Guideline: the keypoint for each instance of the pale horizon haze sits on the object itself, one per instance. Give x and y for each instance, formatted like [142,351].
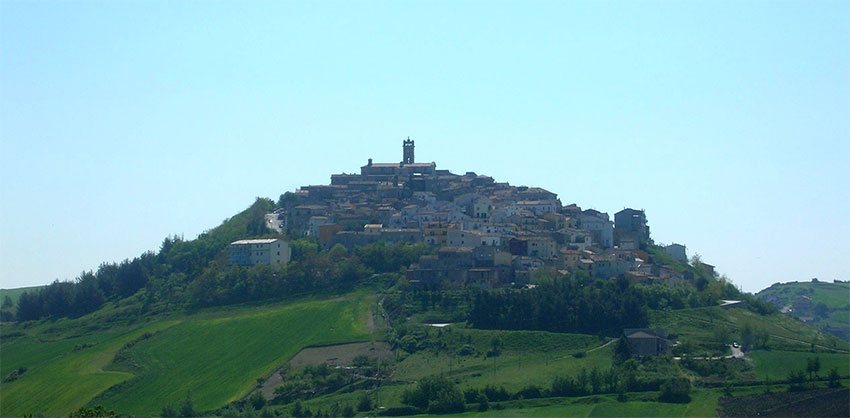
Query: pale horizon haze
[125,122]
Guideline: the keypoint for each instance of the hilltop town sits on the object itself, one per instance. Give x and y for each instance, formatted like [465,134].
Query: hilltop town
[485,233]
[406,290]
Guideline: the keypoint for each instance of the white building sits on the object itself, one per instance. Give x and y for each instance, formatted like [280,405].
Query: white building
[315,223]
[458,238]
[539,207]
[599,225]
[249,252]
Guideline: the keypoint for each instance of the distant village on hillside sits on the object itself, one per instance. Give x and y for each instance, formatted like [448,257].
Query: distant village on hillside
[486,233]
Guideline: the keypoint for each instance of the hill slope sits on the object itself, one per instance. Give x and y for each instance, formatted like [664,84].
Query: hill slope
[820,304]
[217,355]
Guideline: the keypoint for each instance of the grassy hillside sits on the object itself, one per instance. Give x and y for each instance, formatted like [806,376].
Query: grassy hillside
[701,325]
[217,355]
[833,295]
[527,357]
[15,294]
[536,359]
[821,304]
[62,375]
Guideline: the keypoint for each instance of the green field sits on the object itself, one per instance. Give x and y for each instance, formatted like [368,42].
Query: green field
[777,364]
[703,404]
[136,365]
[217,355]
[59,378]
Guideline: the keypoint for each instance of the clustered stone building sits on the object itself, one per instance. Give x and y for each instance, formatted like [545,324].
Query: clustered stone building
[488,233]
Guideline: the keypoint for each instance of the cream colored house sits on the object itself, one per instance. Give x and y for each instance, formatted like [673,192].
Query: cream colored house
[249,252]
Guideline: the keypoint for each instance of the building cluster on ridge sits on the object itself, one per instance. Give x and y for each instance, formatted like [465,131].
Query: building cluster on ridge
[488,233]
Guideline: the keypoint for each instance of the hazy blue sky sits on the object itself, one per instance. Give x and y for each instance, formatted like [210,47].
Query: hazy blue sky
[729,122]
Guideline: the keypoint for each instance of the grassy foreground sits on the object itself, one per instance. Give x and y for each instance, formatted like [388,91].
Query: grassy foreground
[60,376]
[703,404]
[777,364]
[217,355]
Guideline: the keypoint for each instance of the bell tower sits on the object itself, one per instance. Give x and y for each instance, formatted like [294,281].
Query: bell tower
[407,147]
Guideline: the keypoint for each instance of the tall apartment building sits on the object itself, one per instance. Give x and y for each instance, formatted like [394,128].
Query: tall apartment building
[249,252]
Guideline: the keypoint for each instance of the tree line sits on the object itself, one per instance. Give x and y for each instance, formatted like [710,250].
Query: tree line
[309,270]
[197,273]
[573,303]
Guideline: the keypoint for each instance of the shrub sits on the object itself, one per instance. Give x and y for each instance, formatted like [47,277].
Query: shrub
[15,375]
[796,379]
[449,399]
[471,395]
[168,411]
[467,350]
[363,361]
[365,403]
[530,392]
[565,386]
[677,389]
[483,405]
[96,412]
[496,394]
[187,408]
[258,401]
[435,394]
[834,378]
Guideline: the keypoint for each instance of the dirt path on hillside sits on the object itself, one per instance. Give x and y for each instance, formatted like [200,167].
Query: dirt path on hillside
[603,345]
[370,321]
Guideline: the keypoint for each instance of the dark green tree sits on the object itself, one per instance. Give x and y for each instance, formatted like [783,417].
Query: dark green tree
[821,310]
[298,409]
[834,378]
[287,200]
[812,367]
[622,351]
[796,380]
[435,394]
[676,389]
[365,403]
[92,412]
[187,407]
[258,401]
[169,411]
